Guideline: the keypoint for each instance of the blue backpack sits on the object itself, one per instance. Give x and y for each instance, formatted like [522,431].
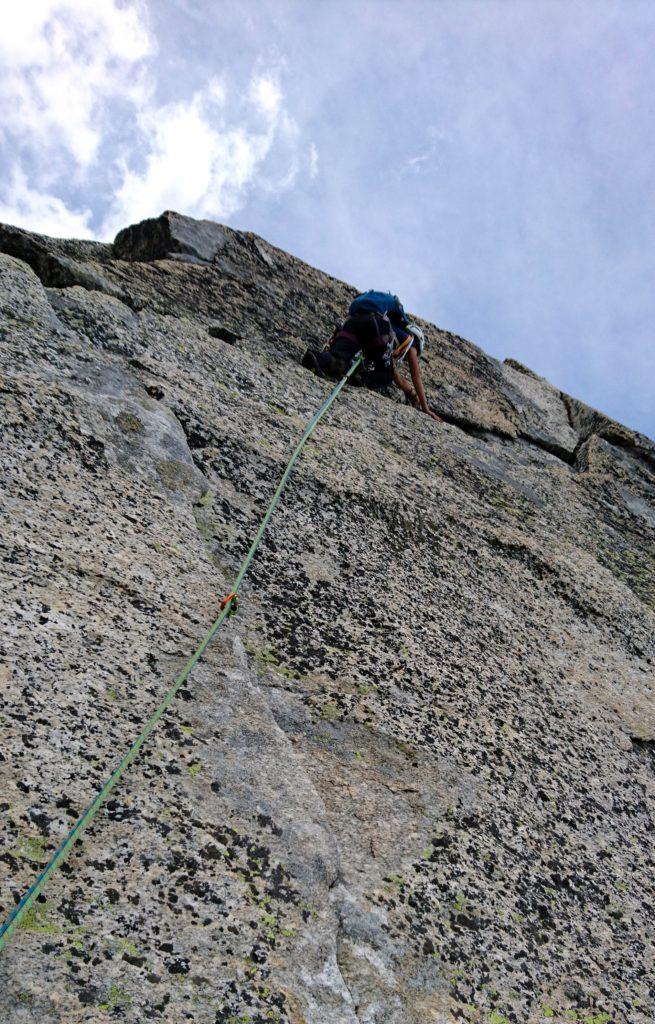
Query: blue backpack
[380,302]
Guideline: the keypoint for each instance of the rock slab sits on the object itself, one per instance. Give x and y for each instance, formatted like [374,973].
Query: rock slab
[412,782]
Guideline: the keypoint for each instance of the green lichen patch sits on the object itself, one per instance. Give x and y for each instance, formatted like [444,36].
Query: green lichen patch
[37,919]
[115,997]
[173,474]
[129,423]
[33,848]
[206,500]
[330,711]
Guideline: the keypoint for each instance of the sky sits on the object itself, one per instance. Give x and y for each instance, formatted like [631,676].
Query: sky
[490,161]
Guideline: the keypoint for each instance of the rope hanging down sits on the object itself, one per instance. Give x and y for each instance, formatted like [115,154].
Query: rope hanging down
[228,607]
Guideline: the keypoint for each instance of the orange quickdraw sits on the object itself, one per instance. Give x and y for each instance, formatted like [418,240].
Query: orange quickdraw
[232,600]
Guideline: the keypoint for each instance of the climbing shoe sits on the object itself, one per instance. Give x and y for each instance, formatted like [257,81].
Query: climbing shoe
[310,362]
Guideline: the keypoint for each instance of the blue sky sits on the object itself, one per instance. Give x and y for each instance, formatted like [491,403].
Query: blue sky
[490,161]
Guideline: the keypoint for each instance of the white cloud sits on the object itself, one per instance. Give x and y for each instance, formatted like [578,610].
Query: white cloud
[313,161]
[60,59]
[78,93]
[266,95]
[42,212]
[203,155]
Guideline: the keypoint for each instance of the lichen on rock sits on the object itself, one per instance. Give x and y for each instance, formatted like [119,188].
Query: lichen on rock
[412,781]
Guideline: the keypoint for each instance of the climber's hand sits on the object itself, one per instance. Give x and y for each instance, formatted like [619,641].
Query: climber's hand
[433,415]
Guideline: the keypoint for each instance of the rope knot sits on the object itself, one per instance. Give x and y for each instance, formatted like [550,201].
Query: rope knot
[231,602]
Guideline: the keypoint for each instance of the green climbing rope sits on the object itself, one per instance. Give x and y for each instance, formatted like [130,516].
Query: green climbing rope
[228,607]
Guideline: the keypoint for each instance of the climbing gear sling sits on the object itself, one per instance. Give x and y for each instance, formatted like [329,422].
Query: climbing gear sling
[229,606]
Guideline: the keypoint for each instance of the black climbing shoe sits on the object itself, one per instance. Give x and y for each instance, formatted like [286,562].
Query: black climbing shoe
[310,362]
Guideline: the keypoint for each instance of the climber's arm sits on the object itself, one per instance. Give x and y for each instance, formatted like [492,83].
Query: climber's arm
[415,370]
[405,387]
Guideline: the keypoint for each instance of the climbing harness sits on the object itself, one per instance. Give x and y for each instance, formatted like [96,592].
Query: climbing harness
[229,605]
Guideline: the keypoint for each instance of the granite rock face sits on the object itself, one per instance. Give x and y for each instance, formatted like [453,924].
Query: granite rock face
[412,782]
[170,237]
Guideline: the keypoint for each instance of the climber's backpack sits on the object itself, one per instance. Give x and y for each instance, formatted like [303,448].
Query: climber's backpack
[380,302]
[371,333]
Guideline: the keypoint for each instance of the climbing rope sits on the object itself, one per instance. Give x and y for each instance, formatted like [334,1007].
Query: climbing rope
[229,606]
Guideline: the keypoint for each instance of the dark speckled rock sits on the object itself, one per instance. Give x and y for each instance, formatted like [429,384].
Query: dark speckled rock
[412,782]
[168,235]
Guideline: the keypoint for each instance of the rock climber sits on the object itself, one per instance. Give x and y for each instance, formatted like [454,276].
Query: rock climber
[377,325]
